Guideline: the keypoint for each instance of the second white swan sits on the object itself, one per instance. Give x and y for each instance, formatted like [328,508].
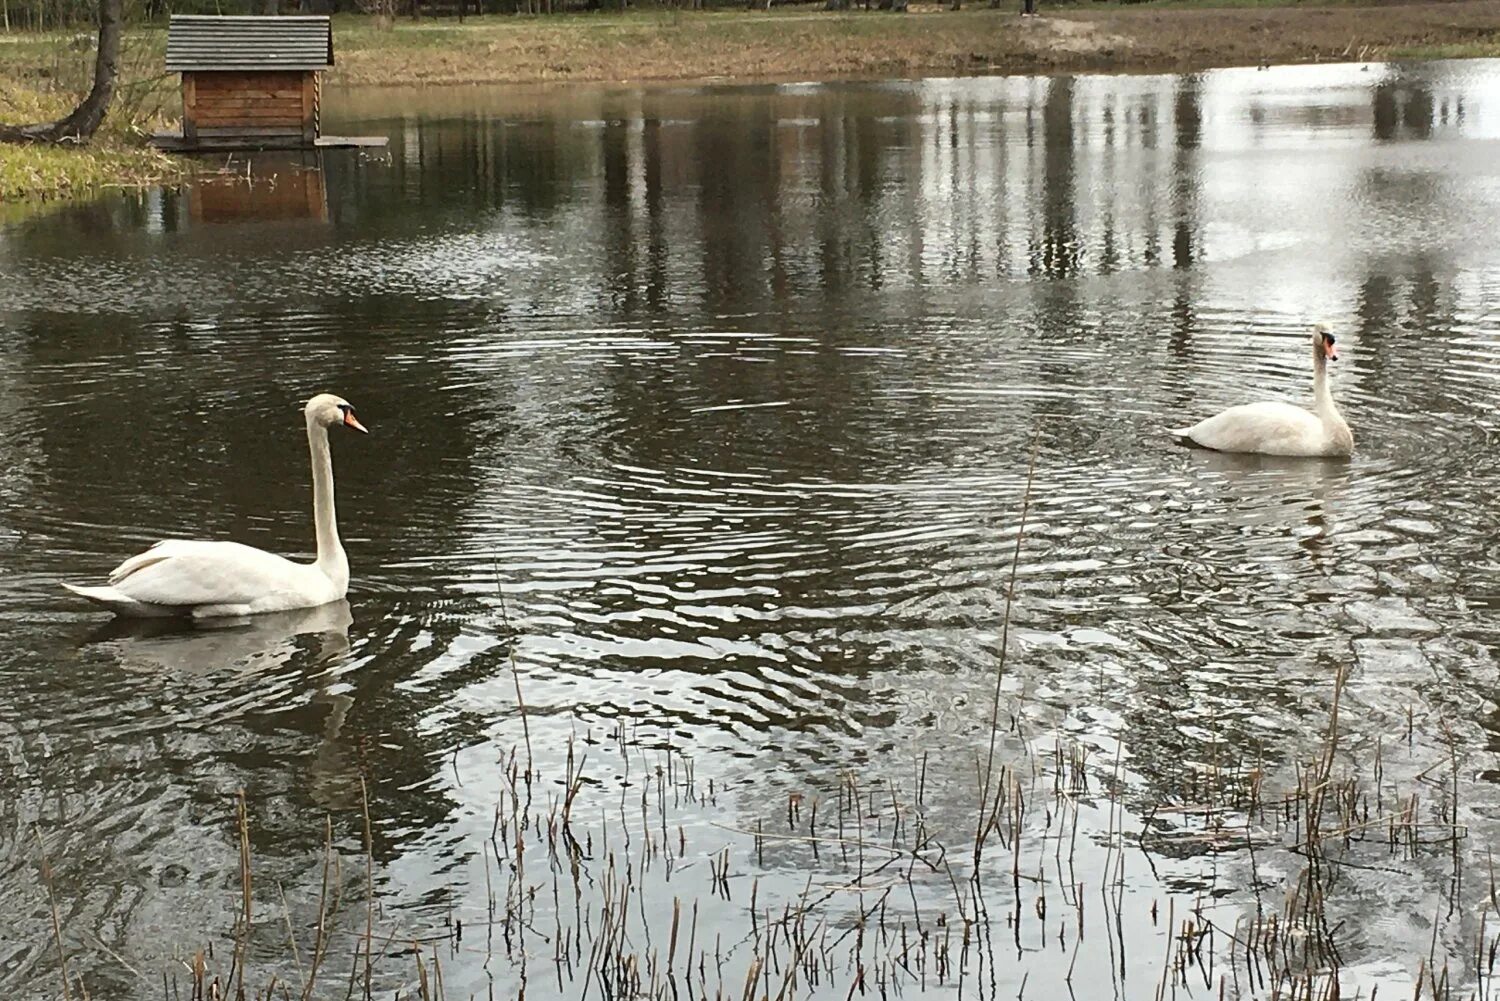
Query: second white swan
[1281,428]
[216,579]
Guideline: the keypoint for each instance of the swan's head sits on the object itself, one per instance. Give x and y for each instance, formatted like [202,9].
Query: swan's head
[328,410]
[1323,341]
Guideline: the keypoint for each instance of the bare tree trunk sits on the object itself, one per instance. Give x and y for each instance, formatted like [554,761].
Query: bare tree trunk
[88,116]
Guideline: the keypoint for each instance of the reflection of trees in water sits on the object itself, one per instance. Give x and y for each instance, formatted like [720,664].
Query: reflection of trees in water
[527,165]
[1403,108]
[1412,102]
[835,269]
[1402,292]
[1056,252]
[768,204]
[843,189]
[656,243]
[104,225]
[634,258]
[618,216]
[1186,185]
[22,459]
[1187,115]
[737,163]
[1403,312]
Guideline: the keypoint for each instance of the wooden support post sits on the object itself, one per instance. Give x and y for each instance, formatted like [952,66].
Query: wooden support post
[190,106]
[309,107]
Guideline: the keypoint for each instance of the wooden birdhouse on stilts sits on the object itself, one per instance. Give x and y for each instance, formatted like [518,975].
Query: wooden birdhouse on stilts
[251,83]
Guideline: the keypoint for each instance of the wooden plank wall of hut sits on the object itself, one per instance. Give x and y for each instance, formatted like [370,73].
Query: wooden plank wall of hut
[228,103]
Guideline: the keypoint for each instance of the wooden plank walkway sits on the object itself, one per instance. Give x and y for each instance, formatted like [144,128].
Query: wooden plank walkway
[173,142]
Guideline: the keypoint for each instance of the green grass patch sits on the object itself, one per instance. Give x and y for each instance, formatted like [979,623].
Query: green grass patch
[47,172]
[44,76]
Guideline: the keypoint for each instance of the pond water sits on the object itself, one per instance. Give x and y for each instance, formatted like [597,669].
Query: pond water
[701,421]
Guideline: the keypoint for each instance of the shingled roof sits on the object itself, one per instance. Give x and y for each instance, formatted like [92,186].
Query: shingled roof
[207,42]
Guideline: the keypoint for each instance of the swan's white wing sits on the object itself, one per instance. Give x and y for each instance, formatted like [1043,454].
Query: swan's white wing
[1266,428]
[182,573]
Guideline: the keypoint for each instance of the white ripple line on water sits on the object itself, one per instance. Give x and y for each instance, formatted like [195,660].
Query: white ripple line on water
[596,647]
[739,406]
[724,473]
[923,533]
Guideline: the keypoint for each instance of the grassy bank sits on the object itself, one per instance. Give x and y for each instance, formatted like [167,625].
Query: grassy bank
[41,75]
[116,157]
[49,172]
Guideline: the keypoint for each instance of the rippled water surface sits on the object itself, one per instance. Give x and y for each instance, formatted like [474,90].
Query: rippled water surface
[701,418]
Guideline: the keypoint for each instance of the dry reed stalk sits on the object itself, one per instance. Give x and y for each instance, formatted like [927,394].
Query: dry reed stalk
[62,955]
[320,943]
[364,799]
[982,831]
[515,675]
[291,934]
[242,940]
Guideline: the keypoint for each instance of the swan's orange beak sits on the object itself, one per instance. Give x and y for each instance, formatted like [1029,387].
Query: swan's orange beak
[350,421]
[1330,352]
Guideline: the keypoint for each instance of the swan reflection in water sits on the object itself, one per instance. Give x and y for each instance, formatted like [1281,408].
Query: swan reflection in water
[1266,489]
[277,662]
[246,644]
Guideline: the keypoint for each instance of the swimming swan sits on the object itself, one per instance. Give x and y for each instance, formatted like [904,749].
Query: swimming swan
[214,579]
[1280,428]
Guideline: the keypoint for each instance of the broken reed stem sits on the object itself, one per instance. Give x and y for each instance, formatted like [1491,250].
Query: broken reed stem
[1010,594]
[364,798]
[62,956]
[320,943]
[515,676]
[1340,677]
[291,933]
[242,941]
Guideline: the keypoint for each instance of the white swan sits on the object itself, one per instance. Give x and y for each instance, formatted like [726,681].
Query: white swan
[213,579]
[1280,428]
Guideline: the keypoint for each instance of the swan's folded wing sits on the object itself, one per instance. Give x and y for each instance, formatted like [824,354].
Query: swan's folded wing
[158,552]
[1267,428]
[182,573]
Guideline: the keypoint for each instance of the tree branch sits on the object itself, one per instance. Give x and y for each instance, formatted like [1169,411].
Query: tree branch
[84,121]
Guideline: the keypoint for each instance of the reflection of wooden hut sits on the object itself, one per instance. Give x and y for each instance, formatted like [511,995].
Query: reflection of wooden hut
[248,82]
[281,190]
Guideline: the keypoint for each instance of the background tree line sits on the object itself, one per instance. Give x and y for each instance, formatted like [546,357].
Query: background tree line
[47,15]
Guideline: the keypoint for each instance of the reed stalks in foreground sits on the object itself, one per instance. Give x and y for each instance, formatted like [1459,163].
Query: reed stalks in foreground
[857,886]
[861,882]
[986,819]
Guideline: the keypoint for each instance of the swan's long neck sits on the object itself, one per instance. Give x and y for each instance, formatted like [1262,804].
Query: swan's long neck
[1323,403]
[331,558]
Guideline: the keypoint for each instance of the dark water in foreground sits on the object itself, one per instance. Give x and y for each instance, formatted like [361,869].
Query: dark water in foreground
[708,411]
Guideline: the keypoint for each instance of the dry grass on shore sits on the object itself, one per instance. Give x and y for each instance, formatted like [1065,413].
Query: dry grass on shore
[931,40]
[36,86]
